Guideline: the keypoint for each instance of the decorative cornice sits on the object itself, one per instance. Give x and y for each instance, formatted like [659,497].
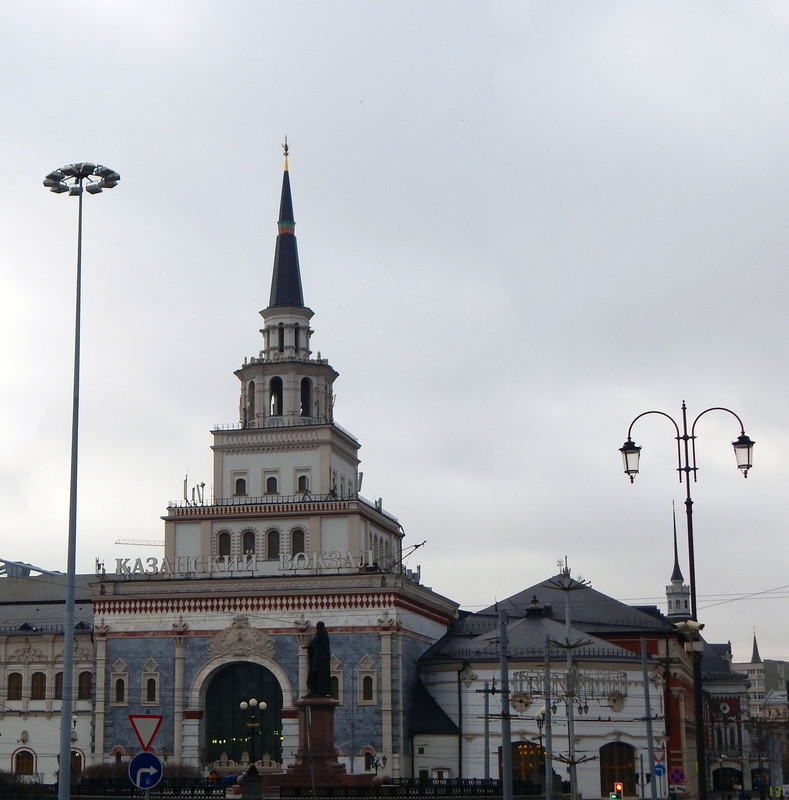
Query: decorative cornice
[279,604]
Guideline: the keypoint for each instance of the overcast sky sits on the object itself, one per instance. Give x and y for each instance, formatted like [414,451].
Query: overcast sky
[520,224]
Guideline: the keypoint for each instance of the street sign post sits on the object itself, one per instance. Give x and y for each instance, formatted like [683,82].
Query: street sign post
[145,770]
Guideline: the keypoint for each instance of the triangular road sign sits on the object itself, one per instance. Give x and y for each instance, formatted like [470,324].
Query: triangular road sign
[145,727]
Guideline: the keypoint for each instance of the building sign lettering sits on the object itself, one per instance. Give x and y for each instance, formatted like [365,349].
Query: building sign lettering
[187,565]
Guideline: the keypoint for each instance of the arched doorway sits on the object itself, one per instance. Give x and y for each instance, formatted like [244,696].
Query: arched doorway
[228,729]
[617,764]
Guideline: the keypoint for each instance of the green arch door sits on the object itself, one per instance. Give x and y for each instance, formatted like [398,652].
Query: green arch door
[229,729]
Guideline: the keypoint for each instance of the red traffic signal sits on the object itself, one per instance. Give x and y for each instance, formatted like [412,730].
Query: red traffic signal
[619,787]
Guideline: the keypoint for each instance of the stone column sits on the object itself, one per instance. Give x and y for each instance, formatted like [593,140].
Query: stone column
[179,639]
[302,637]
[100,708]
[389,625]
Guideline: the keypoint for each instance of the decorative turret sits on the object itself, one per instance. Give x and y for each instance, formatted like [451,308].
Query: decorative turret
[677,592]
[283,385]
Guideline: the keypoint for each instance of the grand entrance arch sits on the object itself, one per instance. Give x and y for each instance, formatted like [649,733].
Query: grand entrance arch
[228,729]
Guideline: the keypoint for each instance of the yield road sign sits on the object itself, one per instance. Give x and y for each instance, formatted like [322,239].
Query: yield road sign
[145,770]
[145,727]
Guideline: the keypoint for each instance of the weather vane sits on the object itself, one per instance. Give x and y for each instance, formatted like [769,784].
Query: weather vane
[285,147]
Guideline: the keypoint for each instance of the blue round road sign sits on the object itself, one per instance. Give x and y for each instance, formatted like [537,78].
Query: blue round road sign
[660,769]
[145,770]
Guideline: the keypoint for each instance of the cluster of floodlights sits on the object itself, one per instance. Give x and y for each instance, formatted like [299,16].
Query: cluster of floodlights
[70,178]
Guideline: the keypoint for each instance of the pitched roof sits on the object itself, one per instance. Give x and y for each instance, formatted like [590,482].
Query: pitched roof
[537,614]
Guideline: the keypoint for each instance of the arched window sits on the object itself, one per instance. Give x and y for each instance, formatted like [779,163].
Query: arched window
[150,690]
[84,686]
[272,544]
[296,332]
[248,542]
[296,541]
[38,686]
[304,484]
[271,485]
[120,690]
[618,763]
[367,688]
[281,337]
[58,686]
[306,397]
[275,391]
[15,686]
[223,543]
[23,763]
[334,687]
[250,401]
[76,762]
[241,487]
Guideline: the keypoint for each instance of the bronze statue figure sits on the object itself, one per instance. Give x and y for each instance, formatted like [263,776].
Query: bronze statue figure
[319,659]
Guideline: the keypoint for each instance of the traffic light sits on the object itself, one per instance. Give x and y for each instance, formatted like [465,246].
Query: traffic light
[619,789]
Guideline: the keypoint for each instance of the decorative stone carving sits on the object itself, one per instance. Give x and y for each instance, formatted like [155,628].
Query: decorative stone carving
[27,654]
[520,701]
[240,639]
[616,700]
[83,654]
[468,676]
[180,627]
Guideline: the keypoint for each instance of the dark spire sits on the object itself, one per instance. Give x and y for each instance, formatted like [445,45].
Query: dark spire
[676,575]
[286,278]
[755,657]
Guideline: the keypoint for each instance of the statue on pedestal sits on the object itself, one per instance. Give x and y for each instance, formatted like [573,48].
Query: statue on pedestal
[319,659]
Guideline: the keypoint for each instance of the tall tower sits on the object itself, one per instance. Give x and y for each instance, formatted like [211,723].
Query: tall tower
[677,592]
[285,479]
[282,542]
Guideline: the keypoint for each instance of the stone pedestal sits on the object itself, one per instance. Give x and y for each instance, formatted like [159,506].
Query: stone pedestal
[316,762]
[316,758]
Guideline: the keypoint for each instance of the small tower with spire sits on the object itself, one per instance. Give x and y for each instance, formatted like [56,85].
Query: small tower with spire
[677,592]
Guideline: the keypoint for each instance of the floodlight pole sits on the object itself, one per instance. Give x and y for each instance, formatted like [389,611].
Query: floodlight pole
[73,178]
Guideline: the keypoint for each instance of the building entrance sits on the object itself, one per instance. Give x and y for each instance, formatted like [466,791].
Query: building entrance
[233,731]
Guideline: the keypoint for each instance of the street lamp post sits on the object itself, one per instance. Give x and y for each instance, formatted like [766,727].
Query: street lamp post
[252,721]
[686,464]
[74,178]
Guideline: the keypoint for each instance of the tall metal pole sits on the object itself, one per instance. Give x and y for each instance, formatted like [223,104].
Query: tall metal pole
[506,727]
[686,464]
[67,705]
[73,178]
[548,729]
[648,715]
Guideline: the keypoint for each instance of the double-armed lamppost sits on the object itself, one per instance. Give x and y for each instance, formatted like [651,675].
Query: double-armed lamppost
[74,178]
[686,464]
[249,708]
